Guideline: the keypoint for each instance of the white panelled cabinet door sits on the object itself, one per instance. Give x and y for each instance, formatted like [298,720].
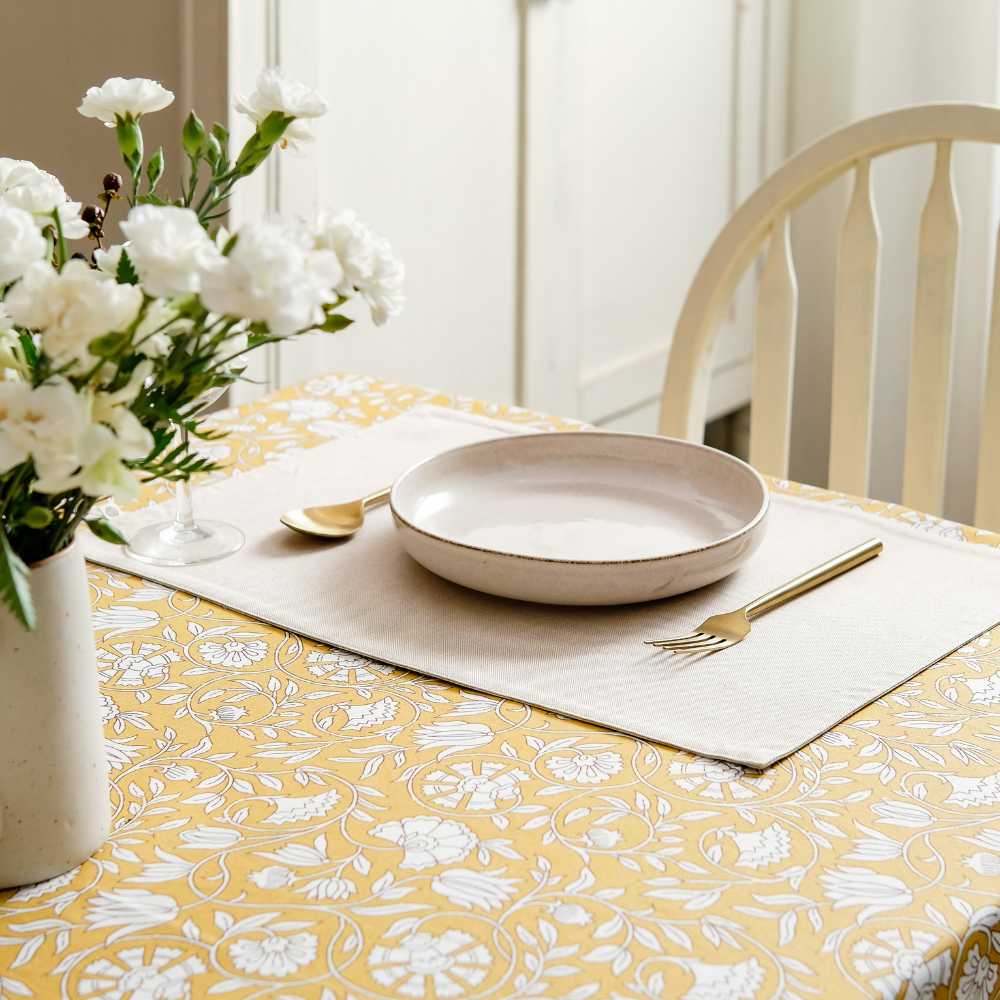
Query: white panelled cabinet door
[550,172]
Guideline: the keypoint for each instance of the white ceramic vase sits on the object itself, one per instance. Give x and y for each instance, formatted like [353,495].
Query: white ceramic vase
[54,804]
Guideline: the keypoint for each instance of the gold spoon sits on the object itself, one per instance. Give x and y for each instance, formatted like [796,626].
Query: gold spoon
[338,521]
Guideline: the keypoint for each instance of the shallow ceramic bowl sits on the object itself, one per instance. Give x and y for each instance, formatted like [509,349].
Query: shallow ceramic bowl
[581,518]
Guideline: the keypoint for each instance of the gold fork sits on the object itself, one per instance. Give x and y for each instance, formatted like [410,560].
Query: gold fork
[721,631]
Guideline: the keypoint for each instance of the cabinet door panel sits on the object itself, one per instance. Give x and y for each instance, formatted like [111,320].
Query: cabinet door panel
[421,141]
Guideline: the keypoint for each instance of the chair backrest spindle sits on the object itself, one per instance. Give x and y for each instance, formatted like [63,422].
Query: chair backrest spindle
[988,484]
[765,215]
[854,339]
[930,364]
[774,355]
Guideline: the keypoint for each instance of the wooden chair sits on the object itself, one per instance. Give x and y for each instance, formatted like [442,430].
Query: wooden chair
[764,215]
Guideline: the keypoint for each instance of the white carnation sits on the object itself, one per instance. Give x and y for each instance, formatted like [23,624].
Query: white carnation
[168,247]
[367,260]
[12,361]
[278,91]
[116,435]
[40,197]
[20,242]
[74,439]
[41,423]
[71,308]
[122,97]
[272,275]
[153,336]
[39,193]
[383,289]
[103,473]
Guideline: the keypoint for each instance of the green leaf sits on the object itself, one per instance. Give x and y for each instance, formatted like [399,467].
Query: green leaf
[14,587]
[109,344]
[255,339]
[105,530]
[126,274]
[30,351]
[193,135]
[335,322]
[230,243]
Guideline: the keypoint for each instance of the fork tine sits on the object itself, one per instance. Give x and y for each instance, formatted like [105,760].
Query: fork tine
[711,643]
[675,638]
[705,648]
[681,645]
[700,648]
[695,639]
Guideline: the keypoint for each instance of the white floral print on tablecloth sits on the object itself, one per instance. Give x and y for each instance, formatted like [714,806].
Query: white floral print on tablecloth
[304,822]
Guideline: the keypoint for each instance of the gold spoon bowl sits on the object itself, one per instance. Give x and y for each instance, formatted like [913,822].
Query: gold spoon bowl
[337,521]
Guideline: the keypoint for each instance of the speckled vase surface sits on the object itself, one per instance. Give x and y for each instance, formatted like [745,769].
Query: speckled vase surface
[54,805]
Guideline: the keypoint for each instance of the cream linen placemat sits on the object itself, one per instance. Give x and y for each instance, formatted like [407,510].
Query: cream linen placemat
[807,665]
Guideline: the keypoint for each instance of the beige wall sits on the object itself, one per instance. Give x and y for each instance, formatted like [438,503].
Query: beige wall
[51,51]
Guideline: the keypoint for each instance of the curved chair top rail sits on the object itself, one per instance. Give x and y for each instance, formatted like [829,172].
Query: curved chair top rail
[682,412]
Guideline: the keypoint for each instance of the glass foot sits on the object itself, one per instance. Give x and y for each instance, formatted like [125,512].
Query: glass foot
[169,544]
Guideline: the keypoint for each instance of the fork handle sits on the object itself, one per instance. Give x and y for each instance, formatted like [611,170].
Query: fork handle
[834,567]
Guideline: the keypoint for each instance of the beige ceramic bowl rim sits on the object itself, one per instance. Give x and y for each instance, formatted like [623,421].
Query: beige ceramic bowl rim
[728,539]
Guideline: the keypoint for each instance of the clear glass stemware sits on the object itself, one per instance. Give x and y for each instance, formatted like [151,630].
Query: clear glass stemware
[185,541]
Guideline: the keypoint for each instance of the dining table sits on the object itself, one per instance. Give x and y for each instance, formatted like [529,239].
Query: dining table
[296,821]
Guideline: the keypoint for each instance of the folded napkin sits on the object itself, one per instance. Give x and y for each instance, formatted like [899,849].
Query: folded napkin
[808,663]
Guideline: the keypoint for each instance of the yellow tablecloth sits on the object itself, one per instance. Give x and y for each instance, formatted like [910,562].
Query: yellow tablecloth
[295,822]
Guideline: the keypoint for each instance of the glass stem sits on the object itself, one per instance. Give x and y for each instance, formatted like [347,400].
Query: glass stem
[184,518]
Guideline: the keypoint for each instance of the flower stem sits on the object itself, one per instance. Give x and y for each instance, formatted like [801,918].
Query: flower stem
[184,518]
[193,183]
[106,198]
[60,239]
